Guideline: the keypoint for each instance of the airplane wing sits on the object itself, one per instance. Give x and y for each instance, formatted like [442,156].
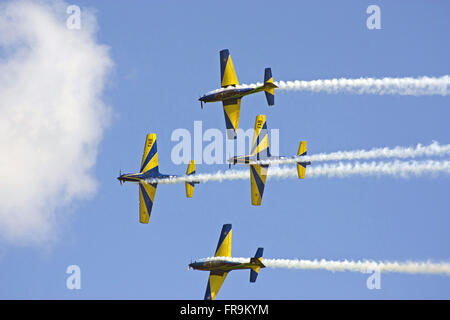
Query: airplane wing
[227,74]
[216,279]
[260,143]
[258,174]
[150,156]
[231,109]
[224,245]
[147,193]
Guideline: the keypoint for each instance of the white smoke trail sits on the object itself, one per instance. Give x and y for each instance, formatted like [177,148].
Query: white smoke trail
[401,169]
[401,86]
[411,267]
[434,149]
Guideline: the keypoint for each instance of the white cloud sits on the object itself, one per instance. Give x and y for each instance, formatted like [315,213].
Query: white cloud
[51,116]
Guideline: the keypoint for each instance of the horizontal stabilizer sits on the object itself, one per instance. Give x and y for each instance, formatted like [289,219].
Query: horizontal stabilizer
[253,275]
[301,166]
[269,87]
[256,262]
[191,184]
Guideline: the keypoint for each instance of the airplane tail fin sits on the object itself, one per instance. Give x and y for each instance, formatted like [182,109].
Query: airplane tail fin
[190,185]
[269,87]
[150,156]
[257,261]
[301,166]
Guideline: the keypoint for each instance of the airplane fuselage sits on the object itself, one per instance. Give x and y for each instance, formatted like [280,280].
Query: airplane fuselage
[232,92]
[136,177]
[255,159]
[229,93]
[224,265]
[251,159]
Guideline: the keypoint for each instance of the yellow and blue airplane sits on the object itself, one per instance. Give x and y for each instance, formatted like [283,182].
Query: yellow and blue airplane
[231,95]
[219,269]
[260,153]
[149,171]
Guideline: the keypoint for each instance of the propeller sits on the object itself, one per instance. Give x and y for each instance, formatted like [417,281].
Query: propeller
[201,101]
[120,174]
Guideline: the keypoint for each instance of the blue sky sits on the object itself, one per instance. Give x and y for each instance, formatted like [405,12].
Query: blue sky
[165,56]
